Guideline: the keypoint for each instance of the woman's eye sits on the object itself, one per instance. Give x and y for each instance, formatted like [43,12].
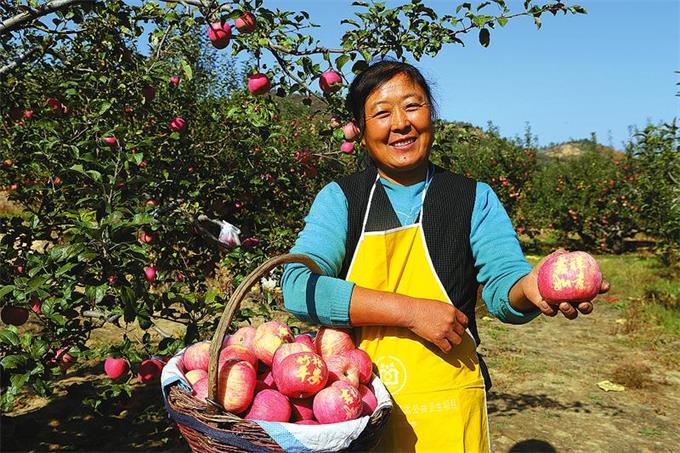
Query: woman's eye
[412,107]
[382,114]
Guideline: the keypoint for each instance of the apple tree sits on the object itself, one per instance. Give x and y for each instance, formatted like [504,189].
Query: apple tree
[133,132]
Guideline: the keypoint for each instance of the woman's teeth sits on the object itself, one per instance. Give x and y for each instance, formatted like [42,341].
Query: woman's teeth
[404,143]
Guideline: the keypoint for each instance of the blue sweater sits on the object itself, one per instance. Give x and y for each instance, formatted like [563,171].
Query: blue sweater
[497,254]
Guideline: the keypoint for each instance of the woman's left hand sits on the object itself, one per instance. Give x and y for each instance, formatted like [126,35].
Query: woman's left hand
[570,310]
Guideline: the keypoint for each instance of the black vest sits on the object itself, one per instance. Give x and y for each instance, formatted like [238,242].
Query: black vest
[447,216]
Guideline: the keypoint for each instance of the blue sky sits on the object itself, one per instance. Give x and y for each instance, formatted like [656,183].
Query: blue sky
[601,72]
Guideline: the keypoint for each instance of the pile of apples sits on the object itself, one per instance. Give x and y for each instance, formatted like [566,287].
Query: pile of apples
[267,373]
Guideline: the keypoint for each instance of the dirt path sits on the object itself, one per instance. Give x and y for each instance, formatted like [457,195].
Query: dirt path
[545,396]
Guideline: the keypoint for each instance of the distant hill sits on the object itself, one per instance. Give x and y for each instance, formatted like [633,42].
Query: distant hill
[576,148]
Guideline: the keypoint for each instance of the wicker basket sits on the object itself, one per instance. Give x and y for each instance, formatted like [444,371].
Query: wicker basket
[208,427]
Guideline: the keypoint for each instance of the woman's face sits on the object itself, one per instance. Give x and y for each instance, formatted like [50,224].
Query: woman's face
[398,131]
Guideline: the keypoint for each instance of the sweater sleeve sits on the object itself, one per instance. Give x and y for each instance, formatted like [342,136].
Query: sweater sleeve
[321,299]
[498,256]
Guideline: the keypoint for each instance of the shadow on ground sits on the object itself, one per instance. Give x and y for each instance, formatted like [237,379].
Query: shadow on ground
[139,423]
[506,404]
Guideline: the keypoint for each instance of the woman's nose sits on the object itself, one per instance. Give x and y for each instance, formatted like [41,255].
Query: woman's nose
[400,120]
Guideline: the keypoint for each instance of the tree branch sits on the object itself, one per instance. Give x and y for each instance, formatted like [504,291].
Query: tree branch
[17,21]
[19,60]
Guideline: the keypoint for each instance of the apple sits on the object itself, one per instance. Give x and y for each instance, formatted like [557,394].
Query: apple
[339,402]
[363,362]
[268,337]
[370,402]
[149,370]
[194,376]
[36,305]
[351,131]
[115,368]
[269,405]
[246,23]
[28,114]
[177,124]
[8,162]
[347,147]
[14,186]
[330,81]
[258,84]
[243,336]
[237,352]
[110,141]
[199,389]
[219,34]
[302,409]
[56,181]
[149,93]
[236,385]
[332,341]
[250,242]
[285,350]
[145,237]
[569,277]
[15,316]
[306,339]
[64,359]
[341,368]
[150,274]
[151,202]
[301,375]
[306,422]
[174,80]
[197,356]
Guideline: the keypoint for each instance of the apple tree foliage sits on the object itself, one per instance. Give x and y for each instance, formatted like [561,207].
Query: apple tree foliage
[109,183]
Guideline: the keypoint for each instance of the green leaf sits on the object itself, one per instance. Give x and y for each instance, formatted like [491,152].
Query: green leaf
[186,69]
[10,362]
[484,37]
[9,337]
[104,107]
[502,21]
[64,269]
[340,61]
[6,290]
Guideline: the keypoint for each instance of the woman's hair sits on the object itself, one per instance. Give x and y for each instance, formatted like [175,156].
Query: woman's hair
[373,78]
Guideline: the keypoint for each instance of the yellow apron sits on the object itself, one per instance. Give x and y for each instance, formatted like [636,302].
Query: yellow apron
[440,400]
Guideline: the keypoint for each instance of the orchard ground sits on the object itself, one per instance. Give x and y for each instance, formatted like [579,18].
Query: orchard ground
[545,395]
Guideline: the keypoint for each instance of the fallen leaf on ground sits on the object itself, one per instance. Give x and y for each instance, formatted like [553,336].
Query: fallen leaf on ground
[620,321]
[487,318]
[609,386]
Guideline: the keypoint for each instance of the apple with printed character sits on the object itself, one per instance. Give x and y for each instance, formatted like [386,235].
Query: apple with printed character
[287,349]
[339,402]
[301,375]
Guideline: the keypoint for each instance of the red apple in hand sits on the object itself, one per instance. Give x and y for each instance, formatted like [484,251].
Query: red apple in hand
[258,84]
[219,34]
[569,277]
[331,341]
[115,368]
[197,356]
[341,368]
[269,405]
[301,375]
[236,386]
[338,403]
[363,362]
[330,81]
[268,337]
[246,23]
[15,316]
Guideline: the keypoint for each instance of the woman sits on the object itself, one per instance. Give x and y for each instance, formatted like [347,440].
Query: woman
[404,246]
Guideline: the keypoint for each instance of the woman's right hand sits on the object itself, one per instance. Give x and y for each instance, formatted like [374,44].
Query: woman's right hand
[437,322]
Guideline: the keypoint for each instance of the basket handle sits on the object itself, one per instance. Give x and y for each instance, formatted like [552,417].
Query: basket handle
[233,304]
